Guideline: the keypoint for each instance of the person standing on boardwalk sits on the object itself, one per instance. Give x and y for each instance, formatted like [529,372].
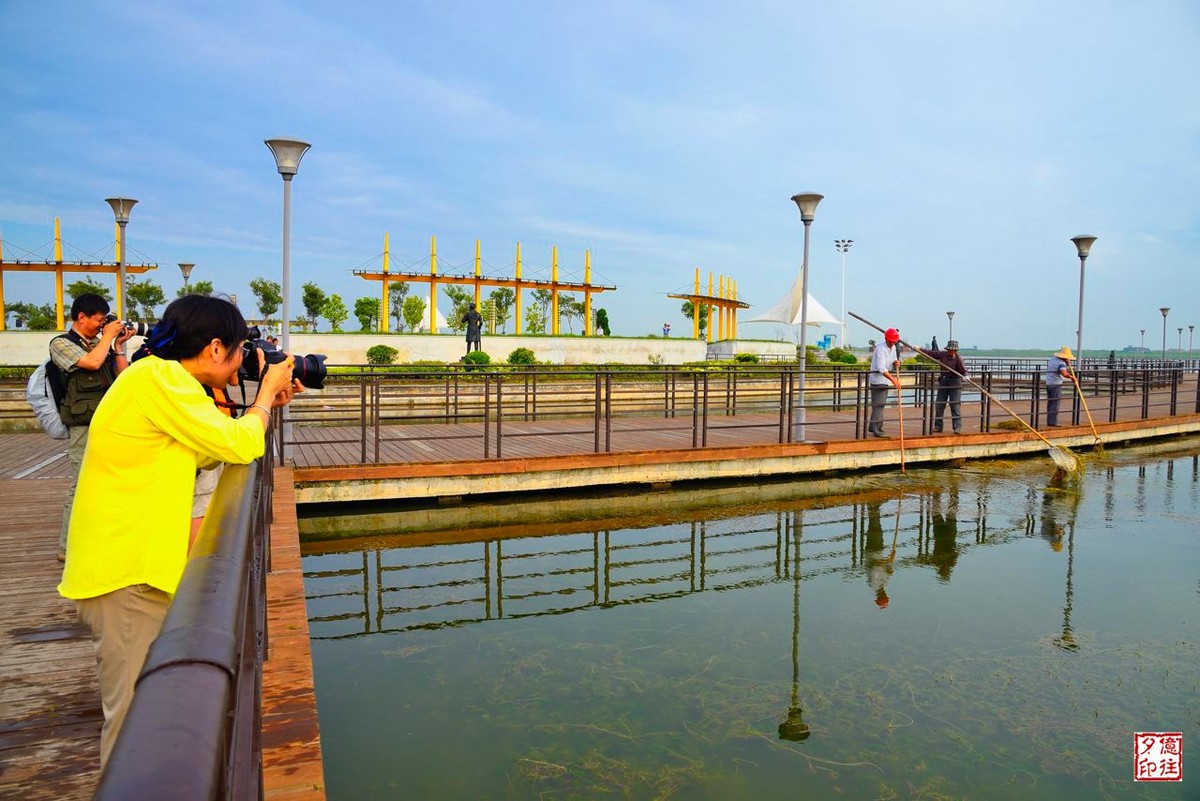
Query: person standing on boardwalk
[89,355]
[473,320]
[884,361]
[1058,367]
[128,540]
[949,384]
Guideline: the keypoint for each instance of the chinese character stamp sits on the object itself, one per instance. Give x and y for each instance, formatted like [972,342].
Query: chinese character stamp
[1158,756]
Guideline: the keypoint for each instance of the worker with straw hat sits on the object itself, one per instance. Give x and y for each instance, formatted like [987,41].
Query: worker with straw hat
[1058,367]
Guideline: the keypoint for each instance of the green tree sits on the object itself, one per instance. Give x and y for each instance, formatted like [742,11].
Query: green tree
[535,319]
[33,317]
[146,294]
[571,309]
[198,288]
[397,294]
[460,302]
[689,311]
[414,312]
[367,311]
[314,303]
[335,312]
[269,295]
[543,297]
[85,285]
[502,303]
[602,322]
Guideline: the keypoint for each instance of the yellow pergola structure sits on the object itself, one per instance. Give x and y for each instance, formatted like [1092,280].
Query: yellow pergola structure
[61,268]
[479,280]
[722,306]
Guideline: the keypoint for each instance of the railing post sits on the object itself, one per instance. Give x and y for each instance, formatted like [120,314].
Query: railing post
[1035,400]
[1146,393]
[783,405]
[487,403]
[596,413]
[695,409]
[608,384]
[499,414]
[704,412]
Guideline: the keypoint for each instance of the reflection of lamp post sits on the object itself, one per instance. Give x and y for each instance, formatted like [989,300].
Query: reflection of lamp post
[842,246]
[807,201]
[288,153]
[1164,311]
[793,727]
[186,269]
[950,316]
[1066,640]
[121,207]
[1083,244]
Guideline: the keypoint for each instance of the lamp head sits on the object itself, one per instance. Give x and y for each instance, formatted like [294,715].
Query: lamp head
[288,153]
[807,201]
[186,269]
[1083,243]
[950,314]
[121,207]
[1164,311]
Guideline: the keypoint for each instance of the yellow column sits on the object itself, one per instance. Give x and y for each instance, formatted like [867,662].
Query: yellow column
[58,294]
[710,308]
[478,274]
[433,285]
[721,309]
[3,316]
[518,292]
[696,308]
[384,306]
[734,311]
[587,293]
[554,290]
[58,242]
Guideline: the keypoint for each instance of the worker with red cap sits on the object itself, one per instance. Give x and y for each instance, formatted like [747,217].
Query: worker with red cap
[884,361]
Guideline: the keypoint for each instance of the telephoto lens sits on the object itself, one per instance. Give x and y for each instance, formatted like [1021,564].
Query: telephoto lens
[138,329]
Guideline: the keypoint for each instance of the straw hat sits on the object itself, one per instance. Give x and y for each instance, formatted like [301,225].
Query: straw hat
[1065,353]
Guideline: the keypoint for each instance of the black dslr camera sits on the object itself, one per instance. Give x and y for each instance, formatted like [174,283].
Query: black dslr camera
[308,370]
[138,329]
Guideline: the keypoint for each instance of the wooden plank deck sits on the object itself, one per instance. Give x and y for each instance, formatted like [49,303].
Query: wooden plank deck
[50,713]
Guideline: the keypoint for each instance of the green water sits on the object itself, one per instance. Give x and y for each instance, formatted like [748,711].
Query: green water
[1012,646]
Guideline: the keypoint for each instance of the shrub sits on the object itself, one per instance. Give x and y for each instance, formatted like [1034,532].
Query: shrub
[476,360]
[841,356]
[522,356]
[382,354]
[746,358]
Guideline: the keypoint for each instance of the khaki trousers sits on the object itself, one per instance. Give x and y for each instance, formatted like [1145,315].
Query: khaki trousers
[76,446]
[123,624]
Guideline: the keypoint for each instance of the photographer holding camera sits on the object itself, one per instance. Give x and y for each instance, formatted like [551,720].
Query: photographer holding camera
[128,541]
[89,354]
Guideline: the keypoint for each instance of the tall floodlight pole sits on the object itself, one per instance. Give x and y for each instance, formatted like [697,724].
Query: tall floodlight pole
[288,153]
[1083,244]
[1164,311]
[807,201]
[1143,348]
[1191,333]
[121,207]
[1179,344]
[186,269]
[950,316]
[843,245]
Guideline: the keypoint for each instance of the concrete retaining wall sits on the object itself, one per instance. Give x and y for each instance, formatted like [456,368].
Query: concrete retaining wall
[30,347]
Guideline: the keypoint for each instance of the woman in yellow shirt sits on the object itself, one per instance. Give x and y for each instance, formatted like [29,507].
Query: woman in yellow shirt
[128,538]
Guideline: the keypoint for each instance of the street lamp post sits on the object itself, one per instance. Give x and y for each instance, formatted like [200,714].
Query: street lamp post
[1164,311]
[186,269]
[121,207]
[1191,333]
[1083,244]
[1143,347]
[288,153]
[1179,344]
[950,315]
[843,245]
[807,202]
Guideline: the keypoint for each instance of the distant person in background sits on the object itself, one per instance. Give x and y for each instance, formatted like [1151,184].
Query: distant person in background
[473,320]
[1058,367]
[949,384]
[666,329]
[884,360]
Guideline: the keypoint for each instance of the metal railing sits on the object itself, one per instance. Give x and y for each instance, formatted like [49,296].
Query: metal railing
[424,415]
[194,729]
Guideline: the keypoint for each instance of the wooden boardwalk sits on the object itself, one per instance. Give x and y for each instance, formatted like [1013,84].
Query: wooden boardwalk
[50,713]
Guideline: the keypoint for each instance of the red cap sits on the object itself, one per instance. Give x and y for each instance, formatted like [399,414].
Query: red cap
[891,336]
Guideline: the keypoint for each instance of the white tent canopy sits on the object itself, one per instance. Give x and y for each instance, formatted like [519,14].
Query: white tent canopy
[787,310]
[424,325]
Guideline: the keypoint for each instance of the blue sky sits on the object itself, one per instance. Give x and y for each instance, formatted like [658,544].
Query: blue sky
[960,144]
